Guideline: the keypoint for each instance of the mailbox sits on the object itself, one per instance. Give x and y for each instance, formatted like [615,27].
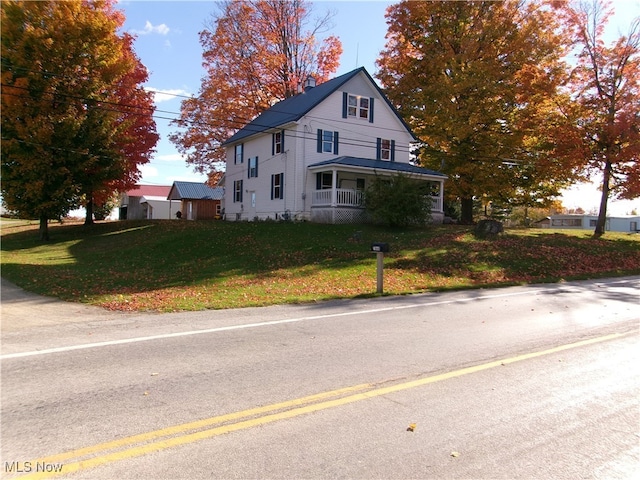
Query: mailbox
[380,247]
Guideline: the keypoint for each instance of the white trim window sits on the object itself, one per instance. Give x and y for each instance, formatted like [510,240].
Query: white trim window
[328,141]
[238,154]
[385,149]
[237,191]
[277,186]
[356,106]
[253,167]
[277,143]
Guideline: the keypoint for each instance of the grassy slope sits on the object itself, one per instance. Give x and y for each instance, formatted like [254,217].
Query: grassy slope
[180,265]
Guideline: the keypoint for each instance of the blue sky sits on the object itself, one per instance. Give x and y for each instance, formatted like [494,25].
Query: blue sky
[167,43]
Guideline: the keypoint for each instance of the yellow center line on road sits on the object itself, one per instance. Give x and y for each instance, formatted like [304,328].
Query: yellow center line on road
[292,408]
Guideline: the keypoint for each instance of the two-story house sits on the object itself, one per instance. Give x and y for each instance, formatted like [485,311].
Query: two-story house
[312,156]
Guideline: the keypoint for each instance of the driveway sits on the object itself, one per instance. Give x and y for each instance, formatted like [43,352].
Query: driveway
[20,309]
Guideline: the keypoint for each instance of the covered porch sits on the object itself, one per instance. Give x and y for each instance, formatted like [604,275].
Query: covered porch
[340,184]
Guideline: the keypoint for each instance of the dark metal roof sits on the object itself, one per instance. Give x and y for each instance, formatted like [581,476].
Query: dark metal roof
[294,108]
[377,165]
[194,191]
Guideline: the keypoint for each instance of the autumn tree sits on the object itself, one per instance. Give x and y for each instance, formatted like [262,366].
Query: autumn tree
[75,120]
[467,76]
[256,52]
[604,112]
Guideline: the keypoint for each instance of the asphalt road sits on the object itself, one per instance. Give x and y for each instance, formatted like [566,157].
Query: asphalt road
[521,382]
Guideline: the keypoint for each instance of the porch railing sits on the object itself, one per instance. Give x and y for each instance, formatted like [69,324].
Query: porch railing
[346,197]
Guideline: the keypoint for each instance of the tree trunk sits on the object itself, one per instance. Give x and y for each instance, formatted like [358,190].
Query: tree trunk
[44,228]
[88,219]
[602,214]
[466,211]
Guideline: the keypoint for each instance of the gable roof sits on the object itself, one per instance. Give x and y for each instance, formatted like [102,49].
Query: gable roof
[149,190]
[377,165]
[294,108]
[194,191]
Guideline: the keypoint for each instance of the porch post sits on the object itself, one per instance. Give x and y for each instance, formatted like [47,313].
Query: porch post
[334,188]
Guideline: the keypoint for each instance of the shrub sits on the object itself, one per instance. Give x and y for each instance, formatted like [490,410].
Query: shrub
[398,201]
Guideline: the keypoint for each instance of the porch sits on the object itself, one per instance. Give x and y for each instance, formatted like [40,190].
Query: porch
[347,197]
[340,184]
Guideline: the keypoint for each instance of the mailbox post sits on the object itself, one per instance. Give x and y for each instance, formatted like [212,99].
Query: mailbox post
[380,249]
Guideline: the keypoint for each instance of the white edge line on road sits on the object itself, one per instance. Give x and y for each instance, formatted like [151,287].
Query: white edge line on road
[250,325]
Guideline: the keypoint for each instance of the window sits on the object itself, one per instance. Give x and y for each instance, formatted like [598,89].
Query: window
[277,186]
[592,222]
[327,141]
[277,143]
[237,191]
[633,226]
[239,154]
[253,167]
[355,106]
[566,222]
[386,150]
[324,180]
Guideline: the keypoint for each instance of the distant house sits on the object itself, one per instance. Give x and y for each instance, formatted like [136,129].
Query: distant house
[627,223]
[197,201]
[312,156]
[145,202]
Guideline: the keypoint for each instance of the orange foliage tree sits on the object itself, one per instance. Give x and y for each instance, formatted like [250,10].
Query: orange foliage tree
[604,103]
[256,52]
[467,76]
[76,122]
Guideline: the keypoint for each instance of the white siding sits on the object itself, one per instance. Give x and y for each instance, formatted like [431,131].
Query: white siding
[357,138]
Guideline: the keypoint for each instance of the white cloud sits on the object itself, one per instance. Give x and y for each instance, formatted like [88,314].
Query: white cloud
[148,171]
[164,95]
[161,29]
[170,157]
[185,178]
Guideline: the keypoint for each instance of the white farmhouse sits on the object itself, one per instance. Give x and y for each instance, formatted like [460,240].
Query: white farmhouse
[311,156]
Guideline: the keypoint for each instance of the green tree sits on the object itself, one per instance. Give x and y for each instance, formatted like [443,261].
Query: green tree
[398,201]
[466,76]
[63,115]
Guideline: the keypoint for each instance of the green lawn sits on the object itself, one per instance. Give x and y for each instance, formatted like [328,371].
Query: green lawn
[182,265]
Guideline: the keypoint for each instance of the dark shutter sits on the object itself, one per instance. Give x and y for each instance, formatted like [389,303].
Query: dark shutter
[335,143]
[281,186]
[282,141]
[273,144]
[318,181]
[393,150]
[319,140]
[272,183]
[256,165]
[371,110]
[379,149]
[249,168]
[345,101]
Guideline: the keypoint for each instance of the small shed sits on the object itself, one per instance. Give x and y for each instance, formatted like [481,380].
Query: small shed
[198,201]
[145,201]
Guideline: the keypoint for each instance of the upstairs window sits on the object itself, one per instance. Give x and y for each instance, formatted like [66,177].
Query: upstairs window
[356,106]
[327,141]
[277,143]
[253,167]
[239,154]
[385,149]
